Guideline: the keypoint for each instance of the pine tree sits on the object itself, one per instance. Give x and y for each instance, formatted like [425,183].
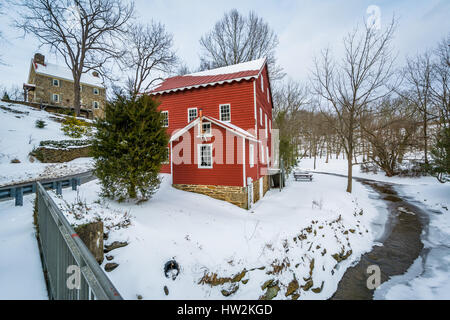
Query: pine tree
[129,147]
[440,153]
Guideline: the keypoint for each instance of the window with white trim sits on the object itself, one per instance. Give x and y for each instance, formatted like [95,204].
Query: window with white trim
[96,91]
[260,116]
[205,156]
[251,155]
[270,125]
[262,83]
[55,82]
[262,154]
[96,104]
[266,126]
[206,127]
[167,160]
[225,112]
[165,121]
[55,97]
[192,114]
[268,98]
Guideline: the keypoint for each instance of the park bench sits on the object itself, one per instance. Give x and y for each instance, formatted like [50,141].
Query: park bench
[299,175]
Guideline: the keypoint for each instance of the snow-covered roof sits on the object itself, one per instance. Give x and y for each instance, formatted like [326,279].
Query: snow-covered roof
[226,125]
[237,72]
[54,70]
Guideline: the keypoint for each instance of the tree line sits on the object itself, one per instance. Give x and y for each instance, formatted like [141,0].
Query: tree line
[367,110]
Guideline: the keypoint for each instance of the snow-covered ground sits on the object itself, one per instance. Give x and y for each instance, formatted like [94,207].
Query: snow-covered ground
[21,275]
[18,137]
[284,237]
[429,276]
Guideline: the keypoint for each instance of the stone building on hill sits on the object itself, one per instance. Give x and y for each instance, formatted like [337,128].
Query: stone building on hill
[50,84]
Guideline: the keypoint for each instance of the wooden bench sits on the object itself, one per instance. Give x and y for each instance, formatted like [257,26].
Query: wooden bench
[303,176]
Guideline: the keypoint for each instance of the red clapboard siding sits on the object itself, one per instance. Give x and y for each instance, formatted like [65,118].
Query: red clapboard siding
[221,173]
[241,97]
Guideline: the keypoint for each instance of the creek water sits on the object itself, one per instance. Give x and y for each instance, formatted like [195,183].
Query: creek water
[401,244]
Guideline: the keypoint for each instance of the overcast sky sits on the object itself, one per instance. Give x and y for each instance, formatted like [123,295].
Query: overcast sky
[303,27]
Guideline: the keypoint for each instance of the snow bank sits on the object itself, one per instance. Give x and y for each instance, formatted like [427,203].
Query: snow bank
[293,233]
[21,275]
[18,137]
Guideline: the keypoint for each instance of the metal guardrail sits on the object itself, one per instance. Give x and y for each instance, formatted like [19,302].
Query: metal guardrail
[65,257]
[18,190]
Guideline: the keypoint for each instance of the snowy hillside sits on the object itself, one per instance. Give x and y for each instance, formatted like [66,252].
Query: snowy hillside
[295,237]
[18,137]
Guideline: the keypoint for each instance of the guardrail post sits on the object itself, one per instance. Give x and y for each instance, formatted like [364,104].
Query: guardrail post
[59,187]
[74,184]
[19,196]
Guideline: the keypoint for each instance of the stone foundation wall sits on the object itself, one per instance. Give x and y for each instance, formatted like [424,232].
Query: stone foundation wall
[235,195]
[51,155]
[266,185]
[256,191]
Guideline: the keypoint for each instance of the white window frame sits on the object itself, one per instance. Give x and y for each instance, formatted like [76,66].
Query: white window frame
[262,154]
[270,126]
[266,126]
[262,83]
[57,80]
[96,92]
[96,102]
[268,98]
[199,156]
[166,118]
[209,134]
[260,116]
[251,155]
[229,111]
[58,100]
[189,116]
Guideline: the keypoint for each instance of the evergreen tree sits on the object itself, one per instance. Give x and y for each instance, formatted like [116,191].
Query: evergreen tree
[441,156]
[129,147]
[5,96]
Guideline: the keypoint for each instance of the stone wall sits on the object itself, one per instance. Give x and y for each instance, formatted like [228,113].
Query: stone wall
[234,195]
[266,185]
[256,191]
[52,155]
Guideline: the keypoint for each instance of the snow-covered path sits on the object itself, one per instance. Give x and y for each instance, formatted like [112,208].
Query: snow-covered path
[21,275]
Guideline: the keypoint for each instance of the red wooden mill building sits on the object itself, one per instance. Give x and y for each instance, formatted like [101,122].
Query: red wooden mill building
[220,123]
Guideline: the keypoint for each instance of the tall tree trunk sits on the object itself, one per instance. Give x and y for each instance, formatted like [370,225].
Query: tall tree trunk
[76,96]
[425,135]
[349,173]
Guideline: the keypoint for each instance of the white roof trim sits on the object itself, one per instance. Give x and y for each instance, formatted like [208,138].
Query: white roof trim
[203,85]
[244,134]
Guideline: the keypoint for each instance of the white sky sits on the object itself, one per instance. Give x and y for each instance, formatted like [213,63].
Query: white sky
[303,27]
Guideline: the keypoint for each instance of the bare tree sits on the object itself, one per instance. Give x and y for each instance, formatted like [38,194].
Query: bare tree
[83,32]
[149,56]
[418,75]
[236,38]
[2,38]
[391,130]
[440,90]
[290,100]
[348,87]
